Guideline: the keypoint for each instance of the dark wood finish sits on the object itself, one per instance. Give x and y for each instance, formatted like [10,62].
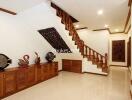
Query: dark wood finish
[16,79]
[8,11]
[10,82]
[72,65]
[1,85]
[21,80]
[82,28]
[101,29]
[31,76]
[118,51]
[130,2]
[129,53]
[74,20]
[38,73]
[66,65]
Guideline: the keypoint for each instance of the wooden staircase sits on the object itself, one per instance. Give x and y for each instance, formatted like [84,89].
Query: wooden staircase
[86,51]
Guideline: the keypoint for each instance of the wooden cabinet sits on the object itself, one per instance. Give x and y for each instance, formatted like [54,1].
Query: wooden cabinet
[72,65]
[49,70]
[45,72]
[21,78]
[1,85]
[10,82]
[16,79]
[66,65]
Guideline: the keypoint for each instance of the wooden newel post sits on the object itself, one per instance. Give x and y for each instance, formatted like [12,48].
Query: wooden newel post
[106,57]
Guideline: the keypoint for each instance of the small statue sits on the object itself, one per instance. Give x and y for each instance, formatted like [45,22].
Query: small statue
[24,62]
[50,57]
[37,60]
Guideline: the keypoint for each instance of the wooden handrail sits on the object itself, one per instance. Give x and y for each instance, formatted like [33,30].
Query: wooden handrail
[85,50]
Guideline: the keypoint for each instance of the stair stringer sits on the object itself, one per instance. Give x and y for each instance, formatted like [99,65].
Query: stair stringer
[87,66]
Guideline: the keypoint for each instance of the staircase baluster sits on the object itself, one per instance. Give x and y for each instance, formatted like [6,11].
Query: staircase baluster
[86,51]
[101,61]
[97,59]
[89,53]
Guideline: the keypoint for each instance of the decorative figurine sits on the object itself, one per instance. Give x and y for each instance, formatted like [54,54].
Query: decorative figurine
[24,62]
[50,57]
[37,60]
[4,62]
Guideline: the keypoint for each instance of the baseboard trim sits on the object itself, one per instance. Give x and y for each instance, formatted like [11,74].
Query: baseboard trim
[60,70]
[119,65]
[95,73]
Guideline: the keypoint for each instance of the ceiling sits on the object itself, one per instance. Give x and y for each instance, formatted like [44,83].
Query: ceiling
[19,5]
[115,12]
[85,11]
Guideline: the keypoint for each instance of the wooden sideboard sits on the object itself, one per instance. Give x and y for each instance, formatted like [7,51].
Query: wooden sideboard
[72,65]
[16,79]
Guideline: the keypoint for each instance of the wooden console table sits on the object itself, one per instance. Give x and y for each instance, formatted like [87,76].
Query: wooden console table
[16,79]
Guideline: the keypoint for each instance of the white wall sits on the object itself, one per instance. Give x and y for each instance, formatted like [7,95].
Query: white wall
[119,36]
[98,40]
[19,36]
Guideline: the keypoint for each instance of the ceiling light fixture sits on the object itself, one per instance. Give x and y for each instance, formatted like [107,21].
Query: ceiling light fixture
[77,26]
[100,12]
[106,26]
[116,30]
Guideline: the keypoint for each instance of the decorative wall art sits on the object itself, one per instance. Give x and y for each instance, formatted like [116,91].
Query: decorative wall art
[55,40]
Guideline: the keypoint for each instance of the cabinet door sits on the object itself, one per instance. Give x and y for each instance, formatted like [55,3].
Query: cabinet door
[10,82]
[38,73]
[51,70]
[31,76]
[76,66]
[66,65]
[45,72]
[21,78]
[56,68]
[1,85]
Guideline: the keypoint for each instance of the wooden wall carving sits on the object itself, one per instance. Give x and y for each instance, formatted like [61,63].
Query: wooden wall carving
[55,40]
[118,51]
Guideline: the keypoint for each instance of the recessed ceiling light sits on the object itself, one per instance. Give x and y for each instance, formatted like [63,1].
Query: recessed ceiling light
[77,26]
[100,12]
[106,26]
[116,30]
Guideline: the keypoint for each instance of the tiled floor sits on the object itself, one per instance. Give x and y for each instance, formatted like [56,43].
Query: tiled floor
[72,86]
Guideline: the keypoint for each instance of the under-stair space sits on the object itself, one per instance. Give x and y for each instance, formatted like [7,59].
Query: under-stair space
[92,61]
